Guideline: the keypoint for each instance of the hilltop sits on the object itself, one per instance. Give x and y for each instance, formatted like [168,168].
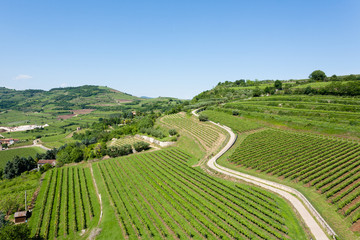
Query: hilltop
[87,96]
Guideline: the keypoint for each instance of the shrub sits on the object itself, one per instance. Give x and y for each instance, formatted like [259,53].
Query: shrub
[172,132]
[203,118]
[119,151]
[44,168]
[140,146]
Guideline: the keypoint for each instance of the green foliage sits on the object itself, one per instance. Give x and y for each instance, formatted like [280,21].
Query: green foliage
[257,92]
[122,150]
[69,153]
[141,146]
[278,84]
[153,132]
[17,166]
[172,132]
[203,117]
[317,75]
[12,191]
[3,221]
[16,232]
[45,167]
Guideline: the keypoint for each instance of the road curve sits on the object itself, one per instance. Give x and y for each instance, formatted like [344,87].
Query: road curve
[286,192]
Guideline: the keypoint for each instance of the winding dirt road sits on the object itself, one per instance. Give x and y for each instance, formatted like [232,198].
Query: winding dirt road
[299,202]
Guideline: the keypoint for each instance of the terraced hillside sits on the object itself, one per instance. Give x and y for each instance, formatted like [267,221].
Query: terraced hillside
[66,205]
[237,123]
[330,165]
[207,135]
[159,196]
[123,141]
[328,114]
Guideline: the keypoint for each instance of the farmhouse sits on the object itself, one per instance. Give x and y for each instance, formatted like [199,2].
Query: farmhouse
[43,162]
[8,141]
[20,217]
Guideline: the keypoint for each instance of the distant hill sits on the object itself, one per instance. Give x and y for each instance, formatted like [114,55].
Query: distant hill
[86,96]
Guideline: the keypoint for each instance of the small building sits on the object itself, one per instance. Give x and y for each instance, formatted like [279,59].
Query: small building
[20,217]
[40,163]
[8,141]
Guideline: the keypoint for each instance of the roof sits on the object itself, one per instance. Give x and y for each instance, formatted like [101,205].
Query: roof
[20,214]
[47,161]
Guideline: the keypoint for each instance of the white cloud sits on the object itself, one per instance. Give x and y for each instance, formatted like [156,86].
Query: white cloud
[63,85]
[22,76]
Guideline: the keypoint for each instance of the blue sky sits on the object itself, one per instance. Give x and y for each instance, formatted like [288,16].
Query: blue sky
[173,48]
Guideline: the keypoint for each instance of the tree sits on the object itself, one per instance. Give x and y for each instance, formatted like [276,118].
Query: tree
[17,166]
[140,146]
[257,92]
[203,118]
[3,221]
[16,232]
[278,84]
[317,75]
[172,132]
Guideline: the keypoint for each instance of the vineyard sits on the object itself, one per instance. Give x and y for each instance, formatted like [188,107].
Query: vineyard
[123,141]
[324,113]
[208,135]
[236,123]
[158,195]
[332,166]
[8,155]
[66,205]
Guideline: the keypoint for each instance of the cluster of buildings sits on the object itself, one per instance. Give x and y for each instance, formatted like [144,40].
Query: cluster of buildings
[7,141]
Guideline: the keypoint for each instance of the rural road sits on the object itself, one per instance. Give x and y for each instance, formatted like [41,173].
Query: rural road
[35,144]
[299,202]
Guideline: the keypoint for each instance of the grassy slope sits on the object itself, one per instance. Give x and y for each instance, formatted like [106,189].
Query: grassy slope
[7,155]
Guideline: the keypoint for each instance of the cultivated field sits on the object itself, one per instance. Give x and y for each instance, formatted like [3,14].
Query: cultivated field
[123,141]
[159,196]
[328,114]
[330,165]
[208,135]
[67,204]
[7,155]
[238,124]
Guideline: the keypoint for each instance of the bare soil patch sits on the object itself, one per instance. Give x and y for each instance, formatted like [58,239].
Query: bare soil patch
[123,100]
[67,116]
[82,111]
[356,227]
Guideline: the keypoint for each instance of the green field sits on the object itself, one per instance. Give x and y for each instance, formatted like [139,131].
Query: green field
[7,155]
[158,195]
[66,205]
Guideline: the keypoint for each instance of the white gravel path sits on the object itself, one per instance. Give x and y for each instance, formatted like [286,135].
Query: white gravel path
[299,202]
